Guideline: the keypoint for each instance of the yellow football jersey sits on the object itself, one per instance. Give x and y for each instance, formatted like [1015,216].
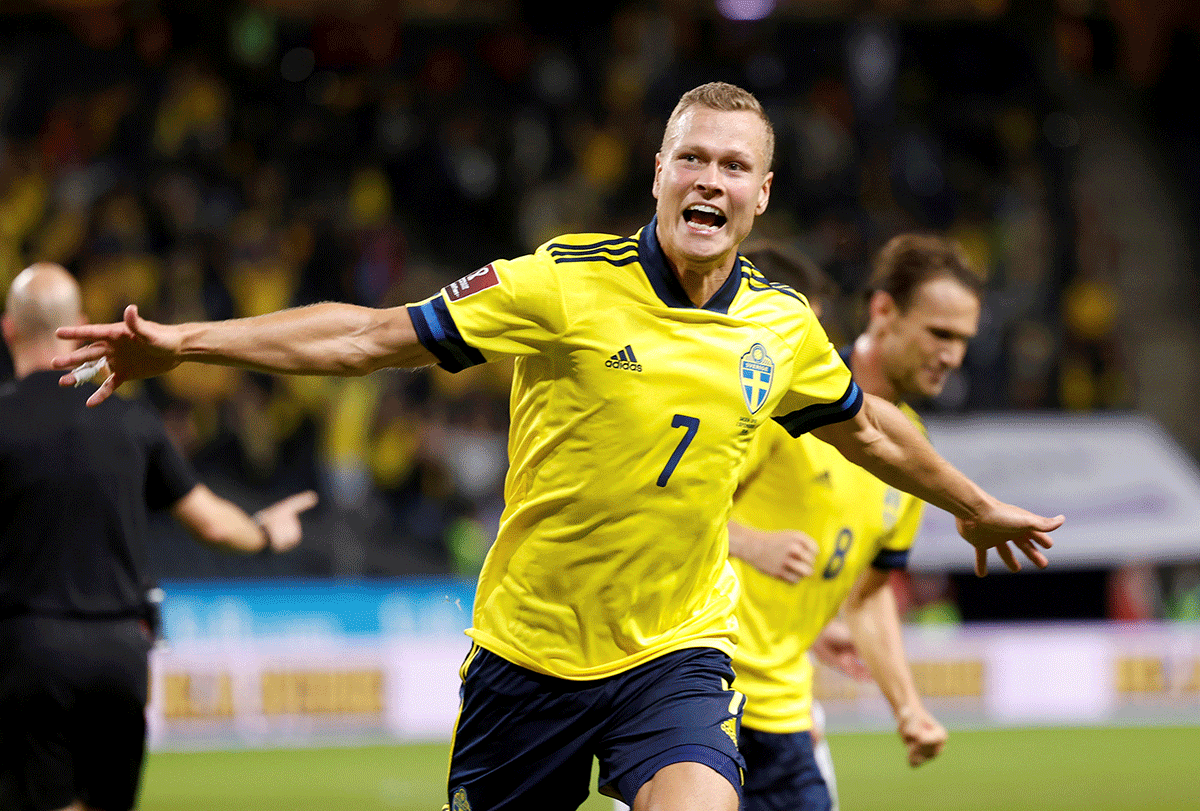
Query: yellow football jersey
[856,520]
[631,414]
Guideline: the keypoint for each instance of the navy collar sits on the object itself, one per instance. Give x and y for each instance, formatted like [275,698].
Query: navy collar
[667,286]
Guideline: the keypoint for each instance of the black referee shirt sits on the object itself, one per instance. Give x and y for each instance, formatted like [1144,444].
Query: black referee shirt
[76,484]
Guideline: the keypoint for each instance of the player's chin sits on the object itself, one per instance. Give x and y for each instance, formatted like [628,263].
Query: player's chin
[705,243]
[933,385]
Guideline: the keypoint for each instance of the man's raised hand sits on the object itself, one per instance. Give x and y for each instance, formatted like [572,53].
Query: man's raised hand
[1003,526]
[133,349]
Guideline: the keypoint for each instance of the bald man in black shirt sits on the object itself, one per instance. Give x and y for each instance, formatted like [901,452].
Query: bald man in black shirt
[76,485]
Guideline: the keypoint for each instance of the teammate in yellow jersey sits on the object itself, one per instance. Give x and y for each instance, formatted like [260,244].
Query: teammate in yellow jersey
[603,619]
[923,308]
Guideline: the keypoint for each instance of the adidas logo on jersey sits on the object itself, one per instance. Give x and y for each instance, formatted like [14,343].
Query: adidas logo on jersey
[624,360]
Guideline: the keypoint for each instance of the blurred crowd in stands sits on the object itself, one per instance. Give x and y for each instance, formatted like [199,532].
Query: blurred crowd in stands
[228,161]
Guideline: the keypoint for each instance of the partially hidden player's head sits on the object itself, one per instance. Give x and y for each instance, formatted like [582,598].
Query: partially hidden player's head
[923,308]
[780,262]
[712,176]
[42,298]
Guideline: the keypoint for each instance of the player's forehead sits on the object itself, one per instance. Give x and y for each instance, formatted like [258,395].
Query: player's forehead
[945,302]
[741,131]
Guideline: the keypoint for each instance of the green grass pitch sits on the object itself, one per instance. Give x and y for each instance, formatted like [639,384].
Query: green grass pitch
[1077,769]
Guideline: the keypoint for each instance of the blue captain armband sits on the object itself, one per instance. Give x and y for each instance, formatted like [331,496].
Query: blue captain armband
[814,416]
[438,333]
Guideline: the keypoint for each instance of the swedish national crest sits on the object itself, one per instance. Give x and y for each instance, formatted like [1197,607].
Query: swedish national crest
[757,370]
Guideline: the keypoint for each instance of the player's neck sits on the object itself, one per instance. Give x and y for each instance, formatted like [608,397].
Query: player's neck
[701,282]
[866,364]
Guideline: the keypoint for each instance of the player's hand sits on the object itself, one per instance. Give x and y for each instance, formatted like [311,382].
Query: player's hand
[1001,527]
[923,736]
[281,520]
[834,647]
[787,555]
[133,349]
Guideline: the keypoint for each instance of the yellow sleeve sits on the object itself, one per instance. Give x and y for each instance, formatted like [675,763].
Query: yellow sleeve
[822,390]
[508,308]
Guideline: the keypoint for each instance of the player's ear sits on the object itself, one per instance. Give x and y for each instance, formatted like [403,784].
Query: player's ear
[8,329]
[657,174]
[764,193]
[882,307]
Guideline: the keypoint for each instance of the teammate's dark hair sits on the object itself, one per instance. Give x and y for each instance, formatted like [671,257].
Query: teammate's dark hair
[908,261]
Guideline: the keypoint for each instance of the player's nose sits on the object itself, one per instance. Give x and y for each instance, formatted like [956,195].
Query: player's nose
[710,178]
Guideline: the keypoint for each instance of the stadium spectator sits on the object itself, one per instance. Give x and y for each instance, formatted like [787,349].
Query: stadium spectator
[76,487]
[923,308]
[603,620]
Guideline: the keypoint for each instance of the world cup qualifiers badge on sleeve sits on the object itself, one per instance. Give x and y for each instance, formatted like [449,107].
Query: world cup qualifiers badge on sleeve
[472,283]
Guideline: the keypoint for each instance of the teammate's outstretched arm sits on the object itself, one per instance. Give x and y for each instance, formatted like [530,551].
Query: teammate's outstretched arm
[323,339]
[874,621]
[882,440]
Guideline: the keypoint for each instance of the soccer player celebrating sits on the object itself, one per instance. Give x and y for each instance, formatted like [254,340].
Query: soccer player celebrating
[603,620]
[923,309]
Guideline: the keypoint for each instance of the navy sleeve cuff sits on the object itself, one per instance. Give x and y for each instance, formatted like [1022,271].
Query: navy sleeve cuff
[891,559]
[814,416]
[438,333]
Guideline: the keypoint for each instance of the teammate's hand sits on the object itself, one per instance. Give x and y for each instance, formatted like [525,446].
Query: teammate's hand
[834,647]
[1003,524]
[281,520]
[923,736]
[787,555]
[133,349]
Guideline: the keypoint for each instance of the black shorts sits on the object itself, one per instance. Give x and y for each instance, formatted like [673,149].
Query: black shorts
[526,741]
[72,712]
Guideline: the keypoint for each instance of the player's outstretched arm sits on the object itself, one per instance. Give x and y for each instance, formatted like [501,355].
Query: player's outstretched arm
[882,440]
[323,339]
[786,555]
[874,622]
[217,521]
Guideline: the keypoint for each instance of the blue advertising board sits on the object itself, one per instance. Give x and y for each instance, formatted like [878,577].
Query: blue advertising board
[243,609]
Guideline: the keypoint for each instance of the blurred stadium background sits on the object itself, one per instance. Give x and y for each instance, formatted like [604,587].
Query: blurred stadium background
[227,158]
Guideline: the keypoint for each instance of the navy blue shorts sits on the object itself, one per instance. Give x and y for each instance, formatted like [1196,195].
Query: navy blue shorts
[525,740]
[782,773]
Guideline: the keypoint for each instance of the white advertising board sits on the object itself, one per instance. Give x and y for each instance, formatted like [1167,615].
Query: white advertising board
[289,692]
[1129,493]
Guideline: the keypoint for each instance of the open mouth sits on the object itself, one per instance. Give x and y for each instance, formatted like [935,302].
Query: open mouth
[704,218]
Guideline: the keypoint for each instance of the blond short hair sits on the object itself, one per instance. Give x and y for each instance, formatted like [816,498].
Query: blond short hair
[723,97]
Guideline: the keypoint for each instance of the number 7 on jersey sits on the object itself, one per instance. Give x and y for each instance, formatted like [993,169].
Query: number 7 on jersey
[679,421]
